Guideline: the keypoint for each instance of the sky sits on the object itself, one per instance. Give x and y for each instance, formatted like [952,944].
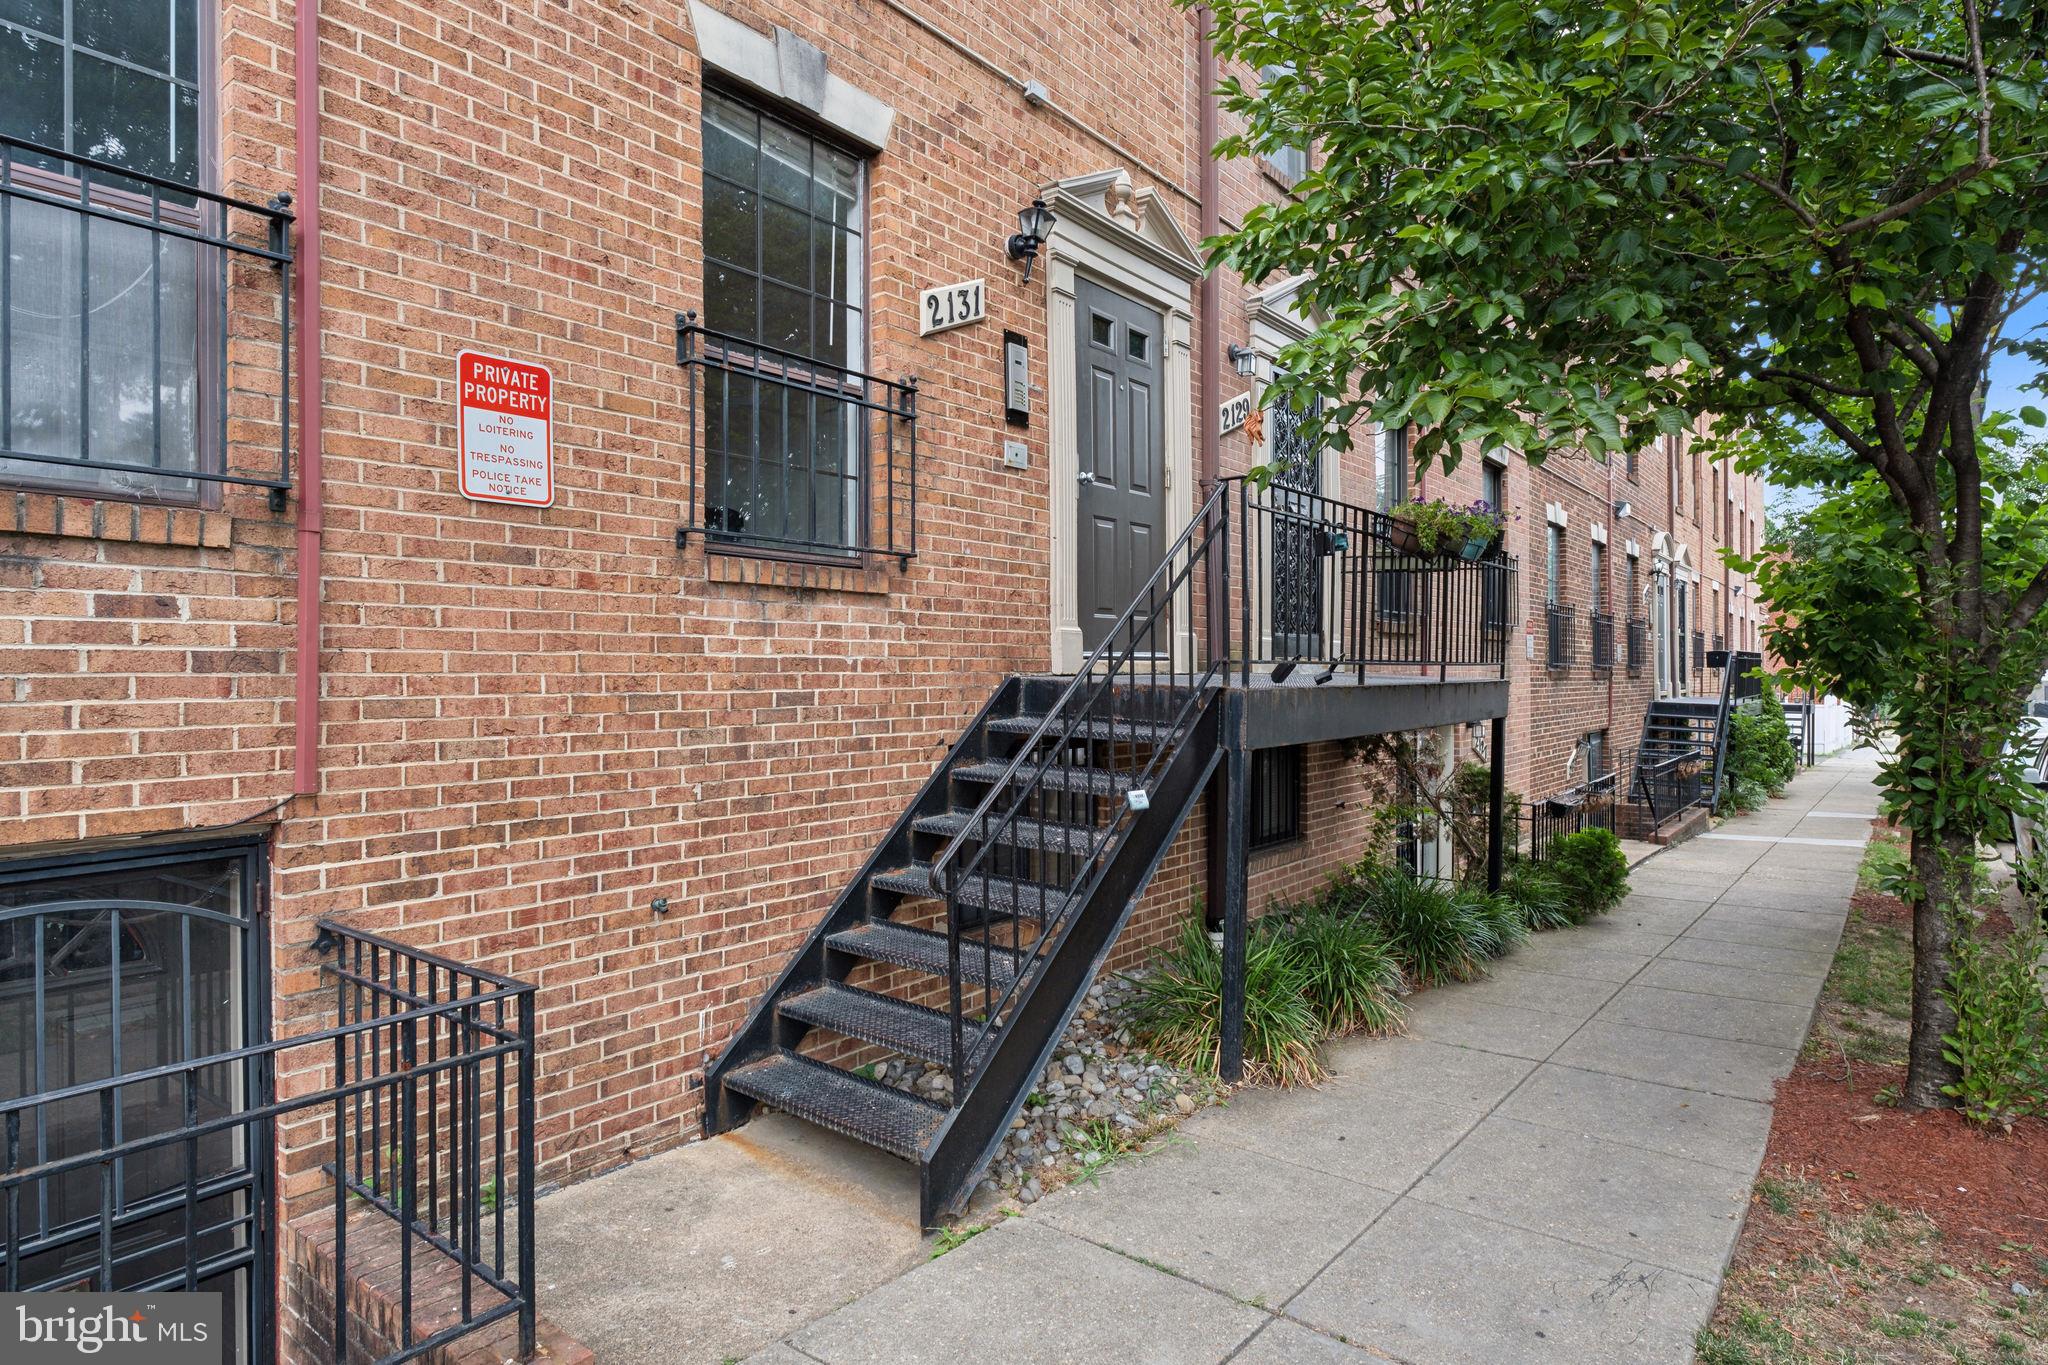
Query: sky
[2009,372]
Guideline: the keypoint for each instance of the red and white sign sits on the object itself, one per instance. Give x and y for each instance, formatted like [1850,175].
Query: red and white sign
[508,430]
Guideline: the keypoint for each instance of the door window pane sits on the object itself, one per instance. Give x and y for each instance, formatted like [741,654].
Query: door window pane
[783,256]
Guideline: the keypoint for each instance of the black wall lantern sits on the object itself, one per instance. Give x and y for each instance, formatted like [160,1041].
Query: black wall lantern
[1034,225]
[1243,359]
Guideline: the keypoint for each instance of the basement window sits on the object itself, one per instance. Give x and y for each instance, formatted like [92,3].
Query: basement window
[1275,799]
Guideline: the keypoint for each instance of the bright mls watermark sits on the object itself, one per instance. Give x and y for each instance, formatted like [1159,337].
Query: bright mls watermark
[111,1329]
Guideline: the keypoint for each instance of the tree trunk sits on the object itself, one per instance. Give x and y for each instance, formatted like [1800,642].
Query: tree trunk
[1940,863]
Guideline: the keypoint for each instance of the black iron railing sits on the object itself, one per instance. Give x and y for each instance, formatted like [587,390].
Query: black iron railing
[1667,783]
[1035,835]
[131,307]
[796,455]
[1557,646]
[430,1123]
[426,1119]
[1327,587]
[1602,635]
[1638,645]
[1590,805]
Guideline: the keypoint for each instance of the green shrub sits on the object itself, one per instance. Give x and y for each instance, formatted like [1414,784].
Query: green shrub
[1591,868]
[1350,975]
[2001,1037]
[1436,936]
[1538,896]
[1761,758]
[1177,1010]
[1500,917]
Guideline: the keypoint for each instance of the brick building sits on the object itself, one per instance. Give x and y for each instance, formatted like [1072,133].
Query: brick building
[285,645]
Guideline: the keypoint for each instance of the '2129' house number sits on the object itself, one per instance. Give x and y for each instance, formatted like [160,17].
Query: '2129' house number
[947,306]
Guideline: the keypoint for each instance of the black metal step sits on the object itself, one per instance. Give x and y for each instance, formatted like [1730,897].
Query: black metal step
[913,1030]
[1685,706]
[1004,895]
[1100,781]
[1123,731]
[1021,832]
[878,1115]
[924,951]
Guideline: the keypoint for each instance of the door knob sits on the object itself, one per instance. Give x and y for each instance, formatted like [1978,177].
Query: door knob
[1086,477]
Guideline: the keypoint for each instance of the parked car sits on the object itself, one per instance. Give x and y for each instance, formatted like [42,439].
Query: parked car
[2029,828]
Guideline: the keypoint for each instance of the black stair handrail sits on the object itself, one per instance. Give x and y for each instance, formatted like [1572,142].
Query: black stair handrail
[1736,685]
[1127,691]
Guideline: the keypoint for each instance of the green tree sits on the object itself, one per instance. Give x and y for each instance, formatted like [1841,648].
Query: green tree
[1570,226]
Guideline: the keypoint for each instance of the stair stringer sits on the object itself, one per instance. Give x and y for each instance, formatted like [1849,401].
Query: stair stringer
[960,1151]
[812,965]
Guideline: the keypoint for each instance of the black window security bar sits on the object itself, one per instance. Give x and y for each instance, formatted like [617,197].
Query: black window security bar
[1557,647]
[1602,624]
[133,309]
[1327,586]
[1638,645]
[1699,651]
[796,455]
[1276,796]
[426,1122]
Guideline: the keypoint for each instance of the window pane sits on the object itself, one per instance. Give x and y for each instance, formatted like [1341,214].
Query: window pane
[729,137]
[731,220]
[729,300]
[785,317]
[137,31]
[185,35]
[785,244]
[32,74]
[46,15]
[832,261]
[838,187]
[124,117]
[785,164]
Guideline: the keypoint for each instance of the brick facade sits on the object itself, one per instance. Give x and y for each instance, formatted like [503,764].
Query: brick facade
[535,722]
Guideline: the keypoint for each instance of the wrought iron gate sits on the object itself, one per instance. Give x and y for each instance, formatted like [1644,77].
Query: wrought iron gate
[132,986]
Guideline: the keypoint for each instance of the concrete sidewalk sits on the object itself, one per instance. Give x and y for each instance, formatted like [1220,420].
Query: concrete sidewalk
[1552,1167]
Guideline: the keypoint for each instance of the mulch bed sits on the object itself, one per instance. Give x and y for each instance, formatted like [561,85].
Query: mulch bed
[1984,1190]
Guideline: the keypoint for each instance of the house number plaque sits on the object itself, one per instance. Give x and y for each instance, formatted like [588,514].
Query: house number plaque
[946,306]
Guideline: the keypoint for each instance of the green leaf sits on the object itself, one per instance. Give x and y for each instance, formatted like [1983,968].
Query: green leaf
[1743,160]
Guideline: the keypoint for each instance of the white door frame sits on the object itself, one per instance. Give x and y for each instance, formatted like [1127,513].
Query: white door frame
[1127,241]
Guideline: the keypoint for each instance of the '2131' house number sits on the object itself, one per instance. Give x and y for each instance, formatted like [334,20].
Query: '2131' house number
[947,306]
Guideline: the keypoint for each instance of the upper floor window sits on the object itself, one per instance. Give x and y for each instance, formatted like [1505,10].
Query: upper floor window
[1289,163]
[784,276]
[1553,565]
[1390,469]
[113,290]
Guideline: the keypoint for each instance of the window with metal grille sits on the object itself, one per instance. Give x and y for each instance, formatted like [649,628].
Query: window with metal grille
[1275,798]
[784,269]
[115,285]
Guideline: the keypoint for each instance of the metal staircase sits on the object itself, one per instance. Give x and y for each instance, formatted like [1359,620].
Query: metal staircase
[969,936]
[1682,731]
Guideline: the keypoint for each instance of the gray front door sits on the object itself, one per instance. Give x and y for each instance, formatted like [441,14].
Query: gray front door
[1120,429]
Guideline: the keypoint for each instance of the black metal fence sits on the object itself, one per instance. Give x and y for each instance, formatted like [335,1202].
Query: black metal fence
[796,455]
[426,1119]
[1602,624]
[1557,648]
[1590,805]
[430,1123]
[120,296]
[1666,783]
[1638,645]
[1332,587]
